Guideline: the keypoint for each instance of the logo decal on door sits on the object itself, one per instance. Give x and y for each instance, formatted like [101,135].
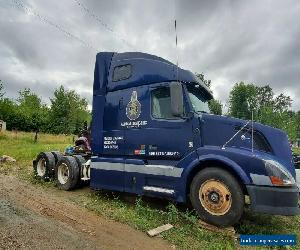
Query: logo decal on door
[133,109]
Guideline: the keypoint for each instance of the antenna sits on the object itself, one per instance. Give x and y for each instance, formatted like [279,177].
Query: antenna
[176,48]
[252,131]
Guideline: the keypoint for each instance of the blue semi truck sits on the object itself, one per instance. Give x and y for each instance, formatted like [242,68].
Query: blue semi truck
[152,134]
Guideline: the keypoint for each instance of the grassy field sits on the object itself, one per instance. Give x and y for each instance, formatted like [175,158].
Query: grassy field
[21,146]
[142,214]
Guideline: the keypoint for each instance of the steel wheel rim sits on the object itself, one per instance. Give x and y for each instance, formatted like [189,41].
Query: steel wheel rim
[41,167]
[63,173]
[215,197]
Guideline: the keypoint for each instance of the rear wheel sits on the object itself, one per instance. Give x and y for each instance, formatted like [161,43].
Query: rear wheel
[44,165]
[217,197]
[80,161]
[67,173]
[57,156]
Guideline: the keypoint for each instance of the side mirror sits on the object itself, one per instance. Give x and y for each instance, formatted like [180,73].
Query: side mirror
[176,99]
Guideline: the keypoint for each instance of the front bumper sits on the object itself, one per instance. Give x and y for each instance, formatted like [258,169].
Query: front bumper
[274,200]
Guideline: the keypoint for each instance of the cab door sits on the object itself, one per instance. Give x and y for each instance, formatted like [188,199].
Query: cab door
[153,137]
[170,138]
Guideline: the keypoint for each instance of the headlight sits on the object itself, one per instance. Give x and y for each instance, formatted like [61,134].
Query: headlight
[278,175]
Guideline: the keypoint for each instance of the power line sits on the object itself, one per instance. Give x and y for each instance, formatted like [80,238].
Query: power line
[30,11]
[99,20]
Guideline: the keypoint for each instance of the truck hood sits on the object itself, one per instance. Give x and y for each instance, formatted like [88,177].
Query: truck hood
[218,130]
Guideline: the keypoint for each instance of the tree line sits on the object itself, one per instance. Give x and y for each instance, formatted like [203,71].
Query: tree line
[66,113]
[267,108]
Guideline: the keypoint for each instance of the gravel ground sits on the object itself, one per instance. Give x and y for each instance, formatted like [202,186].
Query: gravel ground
[32,217]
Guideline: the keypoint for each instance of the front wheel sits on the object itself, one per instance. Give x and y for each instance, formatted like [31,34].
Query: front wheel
[217,197]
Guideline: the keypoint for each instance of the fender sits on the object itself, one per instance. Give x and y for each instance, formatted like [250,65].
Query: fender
[193,161]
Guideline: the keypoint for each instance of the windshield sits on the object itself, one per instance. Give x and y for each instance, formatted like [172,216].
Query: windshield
[199,97]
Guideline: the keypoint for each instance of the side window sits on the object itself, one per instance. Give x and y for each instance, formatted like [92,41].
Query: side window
[122,72]
[161,103]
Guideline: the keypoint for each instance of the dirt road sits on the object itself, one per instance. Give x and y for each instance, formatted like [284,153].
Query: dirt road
[32,217]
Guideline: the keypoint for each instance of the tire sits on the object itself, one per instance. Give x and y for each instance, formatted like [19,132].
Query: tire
[221,202]
[43,166]
[57,156]
[80,161]
[67,173]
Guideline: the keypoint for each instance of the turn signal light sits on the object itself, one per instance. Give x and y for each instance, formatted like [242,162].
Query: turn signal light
[276,181]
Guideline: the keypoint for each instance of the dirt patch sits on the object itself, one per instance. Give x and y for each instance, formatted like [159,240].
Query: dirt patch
[37,218]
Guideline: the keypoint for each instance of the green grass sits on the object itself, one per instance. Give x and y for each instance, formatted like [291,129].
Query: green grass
[21,146]
[142,214]
[145,214]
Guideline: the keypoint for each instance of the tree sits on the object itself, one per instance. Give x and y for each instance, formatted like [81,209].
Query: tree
[247,97]
[2,93]
[8,112]
[297,120]
[28,113]
[242,99]
[202,78]
[282,103]
[286,120]
[31,111]
[215,107]
[68,111]
[265,96]
[267,108]
[7,109]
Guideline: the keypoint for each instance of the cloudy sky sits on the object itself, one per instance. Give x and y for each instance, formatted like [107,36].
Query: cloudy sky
[44,44]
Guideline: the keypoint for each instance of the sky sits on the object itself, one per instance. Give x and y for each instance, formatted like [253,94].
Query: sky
[45,44]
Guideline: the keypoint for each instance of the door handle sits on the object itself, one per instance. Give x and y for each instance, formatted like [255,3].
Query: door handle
[196,130]
[121,103]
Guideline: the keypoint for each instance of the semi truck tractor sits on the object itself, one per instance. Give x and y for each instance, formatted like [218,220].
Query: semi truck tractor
[152,134]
